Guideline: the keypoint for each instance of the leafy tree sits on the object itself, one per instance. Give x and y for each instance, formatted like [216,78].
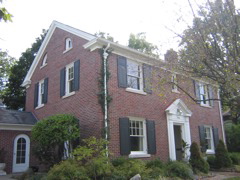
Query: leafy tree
[104,36]
[14,95]
[232,137]
[4,14]
[6,62]
[211,47]
[140,43]
[50,134]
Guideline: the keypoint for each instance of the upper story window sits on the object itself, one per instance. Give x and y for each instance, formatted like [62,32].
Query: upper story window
[134,75]
[69,79]
[44,61]
[204,94]
[68,44]
[209,143]
[174,83]
[41,93]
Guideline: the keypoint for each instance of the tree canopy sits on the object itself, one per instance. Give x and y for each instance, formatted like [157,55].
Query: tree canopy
[14,95]
[4,14]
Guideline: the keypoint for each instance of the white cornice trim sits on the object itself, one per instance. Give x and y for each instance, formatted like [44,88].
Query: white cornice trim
[54,25]
[16,127]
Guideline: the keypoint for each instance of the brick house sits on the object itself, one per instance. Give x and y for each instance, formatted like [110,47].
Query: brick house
[146,117]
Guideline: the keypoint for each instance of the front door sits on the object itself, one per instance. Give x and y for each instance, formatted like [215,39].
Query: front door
[21,153]
[178,141]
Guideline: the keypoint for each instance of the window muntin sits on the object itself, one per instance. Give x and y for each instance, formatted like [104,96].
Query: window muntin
[40,92]
[69,79]
[204,94]
[21,151]
[134,75]
[138,141]
[68,44]
[209,138]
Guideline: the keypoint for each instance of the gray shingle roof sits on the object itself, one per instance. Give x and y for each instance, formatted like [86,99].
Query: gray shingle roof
[16,117]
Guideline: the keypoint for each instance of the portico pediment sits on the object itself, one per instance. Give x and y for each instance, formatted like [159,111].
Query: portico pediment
[179,108]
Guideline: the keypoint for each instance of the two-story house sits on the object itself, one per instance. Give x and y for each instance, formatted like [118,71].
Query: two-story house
[146,117]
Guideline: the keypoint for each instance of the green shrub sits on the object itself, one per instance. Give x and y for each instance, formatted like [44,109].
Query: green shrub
[154,163]
[178,169]
[235,157]
[222,157]
[67,170]
[196,161]
[92,155]
[211,161]
[127,168]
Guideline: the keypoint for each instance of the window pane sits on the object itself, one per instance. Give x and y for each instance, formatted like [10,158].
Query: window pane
[71,86]
[133,82]
[136,143]
[133,69]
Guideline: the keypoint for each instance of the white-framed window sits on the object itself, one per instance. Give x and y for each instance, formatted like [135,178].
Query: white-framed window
[44,61]
[40,93]
[204,94]
[134,75]
[174,83]
[138,139]
[209,142]
[69,78]
[68,44]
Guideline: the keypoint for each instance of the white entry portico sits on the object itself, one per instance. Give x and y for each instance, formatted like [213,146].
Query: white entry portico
[178,128]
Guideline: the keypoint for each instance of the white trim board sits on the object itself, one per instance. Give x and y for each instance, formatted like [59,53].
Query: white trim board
[16,127]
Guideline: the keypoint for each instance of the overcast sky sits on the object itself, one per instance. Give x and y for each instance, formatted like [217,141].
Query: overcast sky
[119,18]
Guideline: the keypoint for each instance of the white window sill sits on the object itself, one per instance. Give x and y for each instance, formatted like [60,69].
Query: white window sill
[136,91]
[206,105]
[209,151]
[68,95]
[43,66]
[67,50]
[39,106]
[175,91]
[139,155]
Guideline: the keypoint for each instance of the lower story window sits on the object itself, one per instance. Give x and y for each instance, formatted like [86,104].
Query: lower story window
[137,136]
[209,139]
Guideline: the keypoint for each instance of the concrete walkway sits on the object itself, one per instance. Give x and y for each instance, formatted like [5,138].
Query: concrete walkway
[8,177]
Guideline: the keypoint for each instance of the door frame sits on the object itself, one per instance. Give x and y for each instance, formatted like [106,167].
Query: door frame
[178,114]
[15,166]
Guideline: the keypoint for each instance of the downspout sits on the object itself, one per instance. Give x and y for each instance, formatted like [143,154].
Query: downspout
[105,56]
[220,113]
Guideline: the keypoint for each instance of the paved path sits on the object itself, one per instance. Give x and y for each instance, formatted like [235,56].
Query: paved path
[222,175]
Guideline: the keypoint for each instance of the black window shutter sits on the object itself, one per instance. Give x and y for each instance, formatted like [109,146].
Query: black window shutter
[62,81]
[151,138]
[202,138]
[76,75]
[122,71]
[147,78]
[215,137]
[197,91]
[36,95]
[210,95]
[45,95]
[124,136]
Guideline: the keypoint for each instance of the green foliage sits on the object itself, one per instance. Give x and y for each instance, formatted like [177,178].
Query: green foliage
[14,95]
[50,134]
[140,43]
[104,36]
[155,163]
[178,169]
[67,170]
[235,157]
[196,161]
[211,161]
[222,157]
[4,14]
[232,137]
[92,155]
[127,168]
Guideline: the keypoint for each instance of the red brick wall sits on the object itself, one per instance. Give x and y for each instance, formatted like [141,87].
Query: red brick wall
[7,142]
[84,104]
